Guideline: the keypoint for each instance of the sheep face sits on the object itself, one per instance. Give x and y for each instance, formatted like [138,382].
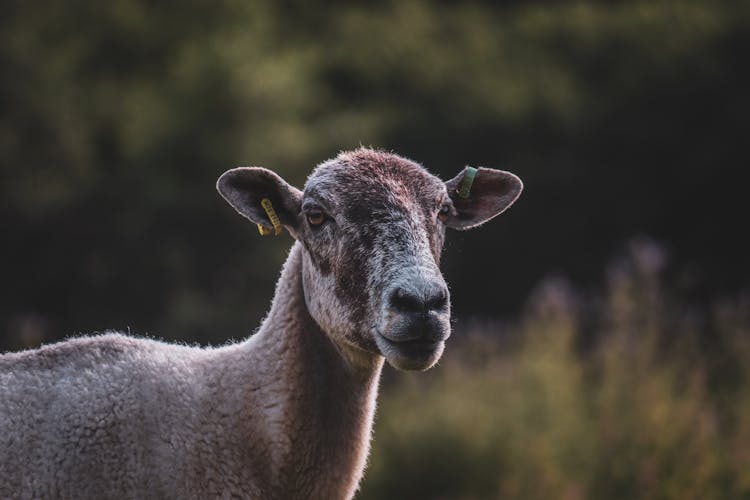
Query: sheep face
[373,225]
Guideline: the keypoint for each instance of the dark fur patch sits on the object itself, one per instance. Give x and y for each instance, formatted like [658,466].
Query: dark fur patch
[351,286]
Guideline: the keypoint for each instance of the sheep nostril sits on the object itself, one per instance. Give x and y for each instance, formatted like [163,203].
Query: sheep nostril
[439,300]
[407,301]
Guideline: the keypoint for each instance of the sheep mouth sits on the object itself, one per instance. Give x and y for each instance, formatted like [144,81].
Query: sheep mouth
[416,346]
[411,354]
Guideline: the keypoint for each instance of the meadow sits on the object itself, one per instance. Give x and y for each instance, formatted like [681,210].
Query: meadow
[630,390]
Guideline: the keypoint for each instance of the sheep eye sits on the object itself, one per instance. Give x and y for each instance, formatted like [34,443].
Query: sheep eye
[444,213]
[315,217]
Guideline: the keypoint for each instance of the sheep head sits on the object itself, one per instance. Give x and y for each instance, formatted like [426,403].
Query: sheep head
[372,225]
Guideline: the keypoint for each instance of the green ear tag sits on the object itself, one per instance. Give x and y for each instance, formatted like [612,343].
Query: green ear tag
[464,189]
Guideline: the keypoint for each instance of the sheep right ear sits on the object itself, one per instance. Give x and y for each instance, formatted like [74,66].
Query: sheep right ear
[479,194]
[245,188]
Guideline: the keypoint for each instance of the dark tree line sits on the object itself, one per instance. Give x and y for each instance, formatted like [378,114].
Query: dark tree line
[623,119]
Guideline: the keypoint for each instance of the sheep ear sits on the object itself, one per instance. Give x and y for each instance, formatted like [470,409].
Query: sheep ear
[479,194]
[245,188]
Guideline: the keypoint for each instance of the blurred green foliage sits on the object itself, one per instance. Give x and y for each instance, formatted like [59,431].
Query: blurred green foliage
[622,117]
[117,117]
[655,406]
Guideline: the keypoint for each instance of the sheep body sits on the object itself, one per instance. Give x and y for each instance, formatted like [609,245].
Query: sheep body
[288,412]
[113,416]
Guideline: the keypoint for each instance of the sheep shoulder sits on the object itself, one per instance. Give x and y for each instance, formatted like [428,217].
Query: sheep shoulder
[110,407]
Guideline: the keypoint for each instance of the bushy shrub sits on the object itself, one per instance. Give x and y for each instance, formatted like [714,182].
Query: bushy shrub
[627,393]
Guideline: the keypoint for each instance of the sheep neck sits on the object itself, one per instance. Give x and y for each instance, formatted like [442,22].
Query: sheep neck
[321,404]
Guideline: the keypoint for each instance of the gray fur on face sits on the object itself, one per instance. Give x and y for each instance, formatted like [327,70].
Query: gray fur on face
[382,237]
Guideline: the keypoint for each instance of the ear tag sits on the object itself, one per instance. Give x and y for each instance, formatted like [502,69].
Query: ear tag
[464,190]
[272,216]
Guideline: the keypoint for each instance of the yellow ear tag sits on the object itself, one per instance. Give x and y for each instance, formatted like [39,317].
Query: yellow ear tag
[272,216]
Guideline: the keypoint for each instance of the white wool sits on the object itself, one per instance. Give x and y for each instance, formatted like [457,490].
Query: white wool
[288,412]
[112,416]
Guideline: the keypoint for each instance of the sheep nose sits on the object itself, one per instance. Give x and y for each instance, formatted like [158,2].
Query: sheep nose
[428,297]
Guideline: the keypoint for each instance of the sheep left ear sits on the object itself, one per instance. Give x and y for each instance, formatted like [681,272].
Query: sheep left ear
[479,194]
[245,188]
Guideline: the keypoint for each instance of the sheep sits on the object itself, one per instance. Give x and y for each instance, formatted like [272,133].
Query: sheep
[288,412]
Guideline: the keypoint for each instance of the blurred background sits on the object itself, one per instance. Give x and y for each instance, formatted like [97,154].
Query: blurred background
[602,336]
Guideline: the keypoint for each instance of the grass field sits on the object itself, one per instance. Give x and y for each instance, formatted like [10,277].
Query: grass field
[629,392]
